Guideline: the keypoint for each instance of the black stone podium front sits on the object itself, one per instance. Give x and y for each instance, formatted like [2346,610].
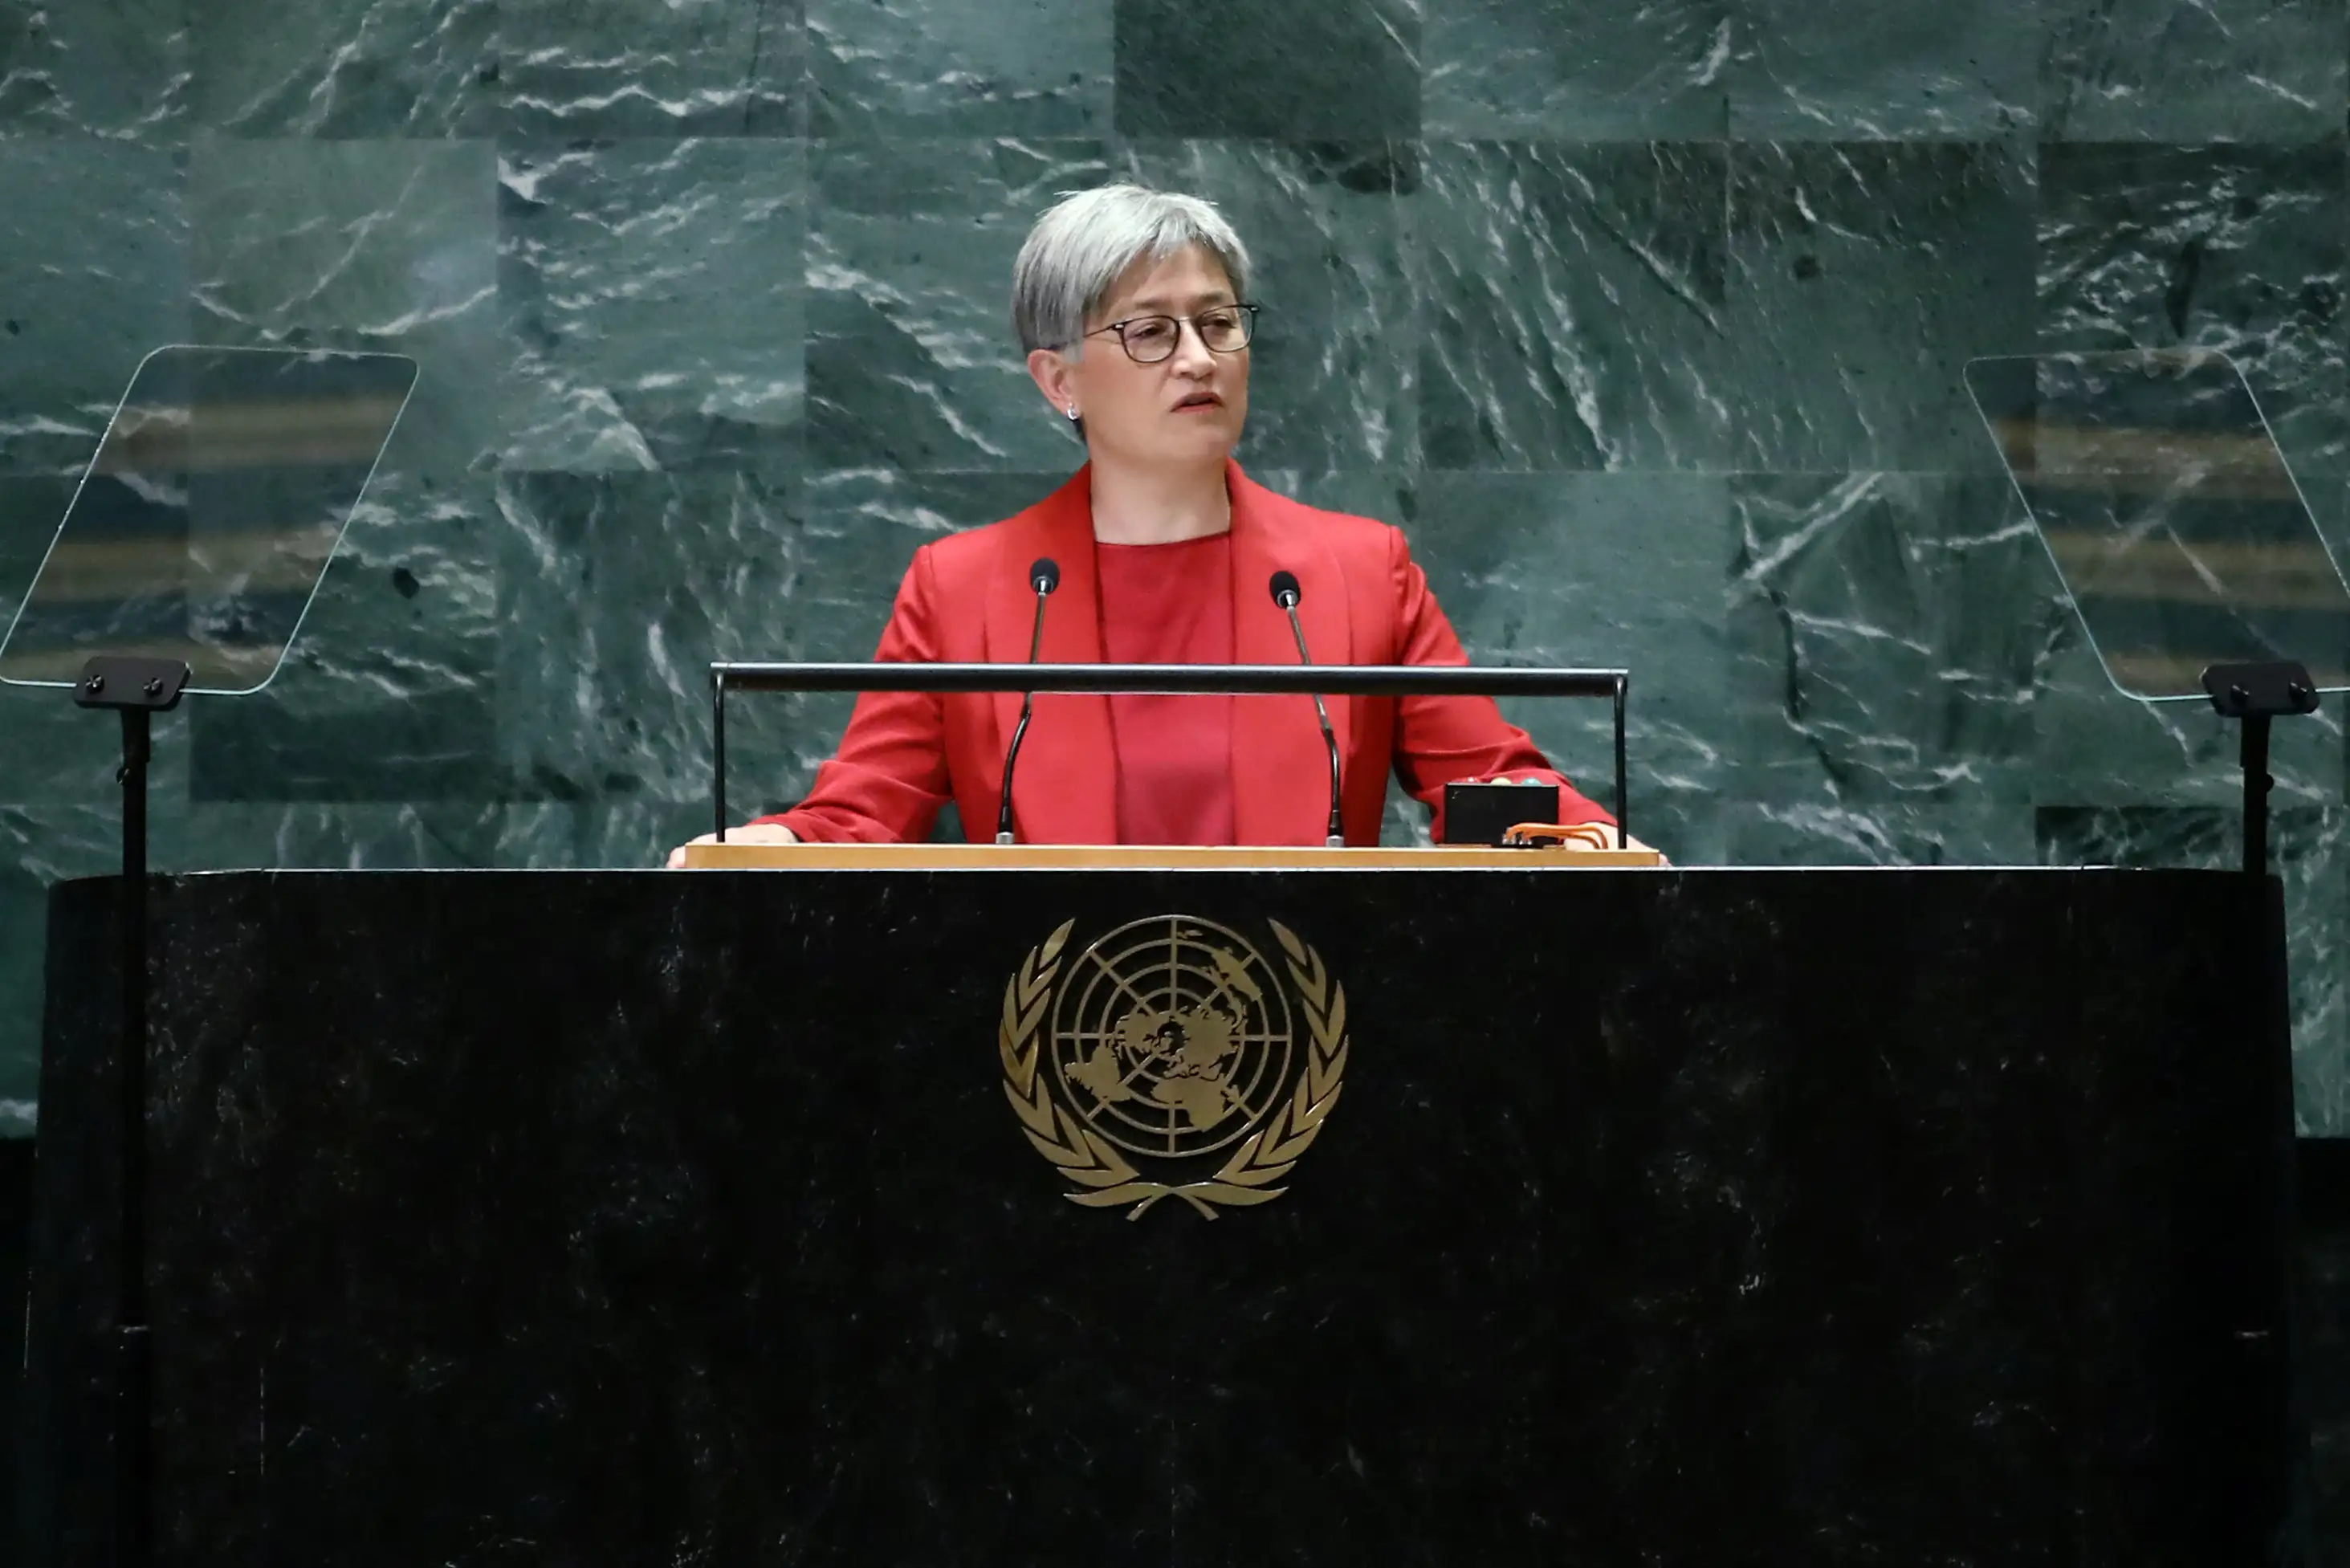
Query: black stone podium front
[1707,1217]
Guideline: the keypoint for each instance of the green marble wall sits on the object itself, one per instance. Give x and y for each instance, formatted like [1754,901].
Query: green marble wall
[1645,322]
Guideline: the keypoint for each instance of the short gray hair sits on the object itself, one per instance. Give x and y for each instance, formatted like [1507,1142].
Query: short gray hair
[1078,250]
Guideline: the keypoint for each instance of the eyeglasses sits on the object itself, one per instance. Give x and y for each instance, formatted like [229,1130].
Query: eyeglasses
[1148,339]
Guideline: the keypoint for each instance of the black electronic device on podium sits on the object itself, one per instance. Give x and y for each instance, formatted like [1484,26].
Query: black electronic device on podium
[2152,478]
[185,561]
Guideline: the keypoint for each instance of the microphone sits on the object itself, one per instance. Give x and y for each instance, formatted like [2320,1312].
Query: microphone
[1044,575]
[1285,594]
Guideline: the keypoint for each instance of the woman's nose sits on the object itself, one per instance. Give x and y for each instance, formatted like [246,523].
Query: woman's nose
[1191,350]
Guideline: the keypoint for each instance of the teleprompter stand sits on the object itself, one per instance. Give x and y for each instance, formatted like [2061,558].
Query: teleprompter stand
[2181,538]
[137,689]
[2252,694]
[217,497]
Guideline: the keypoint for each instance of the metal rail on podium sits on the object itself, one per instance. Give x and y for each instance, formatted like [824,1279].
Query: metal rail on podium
[1175,679]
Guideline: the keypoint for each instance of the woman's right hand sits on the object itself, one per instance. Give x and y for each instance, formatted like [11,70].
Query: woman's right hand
[749,833]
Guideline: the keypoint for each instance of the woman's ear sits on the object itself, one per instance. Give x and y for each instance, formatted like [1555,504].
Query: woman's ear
[1056,377]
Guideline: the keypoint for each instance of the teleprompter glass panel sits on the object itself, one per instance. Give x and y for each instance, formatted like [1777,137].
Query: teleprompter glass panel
[2153,480]
[203,525]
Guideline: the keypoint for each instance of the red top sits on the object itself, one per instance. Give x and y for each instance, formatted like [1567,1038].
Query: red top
[1169,604]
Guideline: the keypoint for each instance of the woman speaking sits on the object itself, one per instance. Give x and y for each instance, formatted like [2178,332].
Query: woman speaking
[1133,307]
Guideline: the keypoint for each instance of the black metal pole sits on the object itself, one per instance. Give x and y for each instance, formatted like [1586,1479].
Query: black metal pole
[1186,680]
[718,758]
[2254,757]
[134,1346]
[139,688]
[2253,695]
[1623,806]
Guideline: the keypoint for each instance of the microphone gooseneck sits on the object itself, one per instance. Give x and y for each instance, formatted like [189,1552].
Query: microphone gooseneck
[1043,577]
[1286,594]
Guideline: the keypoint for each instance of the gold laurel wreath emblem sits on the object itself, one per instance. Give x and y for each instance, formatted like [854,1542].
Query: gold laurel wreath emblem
[1103,1175]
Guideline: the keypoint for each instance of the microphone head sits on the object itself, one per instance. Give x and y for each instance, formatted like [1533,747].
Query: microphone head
[1045,574]
[1284,589]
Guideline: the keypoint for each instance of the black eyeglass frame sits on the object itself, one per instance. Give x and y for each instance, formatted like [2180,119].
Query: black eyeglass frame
[1248,331]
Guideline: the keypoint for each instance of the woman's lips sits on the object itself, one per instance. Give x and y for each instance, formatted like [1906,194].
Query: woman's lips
[1198,402]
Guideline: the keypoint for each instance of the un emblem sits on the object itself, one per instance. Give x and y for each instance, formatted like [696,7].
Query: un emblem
[1172,1059]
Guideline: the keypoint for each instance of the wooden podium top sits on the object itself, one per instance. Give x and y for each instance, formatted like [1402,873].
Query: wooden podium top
[1139,858]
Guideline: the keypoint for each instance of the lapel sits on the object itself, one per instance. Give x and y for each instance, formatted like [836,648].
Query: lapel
[1066,790]
[1281,775]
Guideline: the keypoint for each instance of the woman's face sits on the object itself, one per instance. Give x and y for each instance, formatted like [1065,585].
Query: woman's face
[1185,409]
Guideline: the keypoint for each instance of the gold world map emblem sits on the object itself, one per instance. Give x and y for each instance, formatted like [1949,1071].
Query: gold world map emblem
[1171,1058]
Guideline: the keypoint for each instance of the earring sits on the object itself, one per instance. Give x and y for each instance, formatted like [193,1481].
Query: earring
[1073,411]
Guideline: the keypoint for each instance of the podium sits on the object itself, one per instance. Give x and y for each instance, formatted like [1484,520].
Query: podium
[1493,1213]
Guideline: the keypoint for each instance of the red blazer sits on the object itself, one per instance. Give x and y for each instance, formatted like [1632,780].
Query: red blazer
[966,597]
